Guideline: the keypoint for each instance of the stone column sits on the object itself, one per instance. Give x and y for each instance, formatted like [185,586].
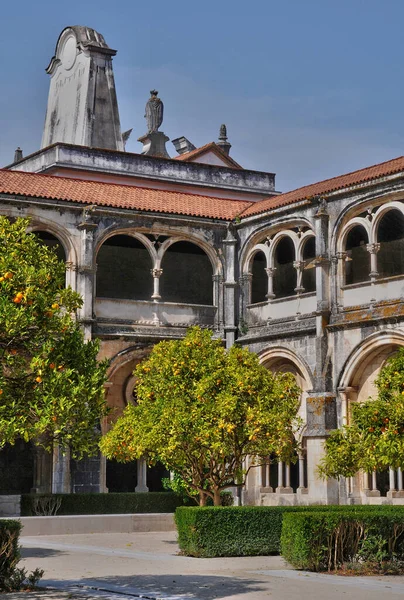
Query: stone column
[218,301]
[298,265]
[280,476]
[156,274]
[373,249]
[230,284]
[61,480]
[400,480]
[392,480]
[270,271]
[301,472]
[86,272]
[141,476]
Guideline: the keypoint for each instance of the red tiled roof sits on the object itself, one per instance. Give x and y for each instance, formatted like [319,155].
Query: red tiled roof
[212,147]
[328,185]
[119,196]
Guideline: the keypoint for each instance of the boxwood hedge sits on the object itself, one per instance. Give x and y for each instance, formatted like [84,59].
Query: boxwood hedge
[100,504]
[321,540]
[249,530]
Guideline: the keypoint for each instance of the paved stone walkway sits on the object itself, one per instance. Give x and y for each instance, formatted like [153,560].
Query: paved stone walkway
[147,565]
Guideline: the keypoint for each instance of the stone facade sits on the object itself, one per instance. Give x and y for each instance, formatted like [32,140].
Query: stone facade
[312,281]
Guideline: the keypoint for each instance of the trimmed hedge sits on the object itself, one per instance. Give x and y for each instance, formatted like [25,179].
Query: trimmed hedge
[320,540]
[229,531]
[248,530]
[9,551]
[100,504]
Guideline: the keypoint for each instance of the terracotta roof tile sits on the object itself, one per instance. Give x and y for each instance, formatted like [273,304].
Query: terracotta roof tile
[328,185]
[213,147]
[119,196]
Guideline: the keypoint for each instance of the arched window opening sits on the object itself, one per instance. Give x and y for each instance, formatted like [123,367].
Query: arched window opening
[187,275]
[357,264]
[390,236]
[123,269]
[259,283]
[309,269]
[285,277]
[48,239]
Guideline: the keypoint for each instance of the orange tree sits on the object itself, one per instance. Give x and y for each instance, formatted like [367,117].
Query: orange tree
[51,385]
[201,410]
[374,438]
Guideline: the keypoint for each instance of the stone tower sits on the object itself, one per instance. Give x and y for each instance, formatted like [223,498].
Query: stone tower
[82,105]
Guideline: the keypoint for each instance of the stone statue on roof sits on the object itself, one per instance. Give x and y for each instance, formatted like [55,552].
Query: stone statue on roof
[154,112]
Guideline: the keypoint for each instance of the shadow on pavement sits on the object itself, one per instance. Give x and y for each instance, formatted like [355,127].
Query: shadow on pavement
[39,552]
[207,587]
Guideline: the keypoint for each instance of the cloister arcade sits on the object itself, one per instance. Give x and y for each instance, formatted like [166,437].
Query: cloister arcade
[370,251]
[357,384]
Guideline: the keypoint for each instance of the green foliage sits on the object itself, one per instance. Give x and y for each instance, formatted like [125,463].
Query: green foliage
[229,531]
[101,504]
[374,439]
[13,578]
[253,530]
[51,385]
[201,410]
[319,540]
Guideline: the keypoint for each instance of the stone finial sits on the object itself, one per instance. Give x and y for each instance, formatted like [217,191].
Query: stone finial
[18,155]
[222,142]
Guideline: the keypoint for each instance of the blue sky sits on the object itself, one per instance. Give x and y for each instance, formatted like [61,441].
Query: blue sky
[308,89]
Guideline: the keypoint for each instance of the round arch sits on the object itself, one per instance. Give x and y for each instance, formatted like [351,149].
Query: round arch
[124,262]
[276,355]
[356,221]
[380,213]
[210,252]
[266,232]
[60,234]
[187,272]
[363,353]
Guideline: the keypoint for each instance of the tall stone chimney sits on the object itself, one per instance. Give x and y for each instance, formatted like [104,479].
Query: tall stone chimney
[82,105]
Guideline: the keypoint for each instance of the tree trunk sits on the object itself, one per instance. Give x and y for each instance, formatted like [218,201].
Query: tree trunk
[216,498]
[202,499]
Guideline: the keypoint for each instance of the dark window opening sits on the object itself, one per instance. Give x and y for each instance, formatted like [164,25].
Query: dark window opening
[390,235]
[285,276]
[383,482]
[122,477]
[52,241]
[357,264]
[16,468]
[187,275]
[259,284]
[309,269]
[124,269]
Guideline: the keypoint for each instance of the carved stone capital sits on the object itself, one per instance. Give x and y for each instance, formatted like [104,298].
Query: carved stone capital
[270,271]
[373,248]
[298,264]
[156,273]
[321,259]
[341,255]
[217,278]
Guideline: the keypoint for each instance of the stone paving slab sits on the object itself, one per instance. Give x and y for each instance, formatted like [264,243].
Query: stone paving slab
[147,565]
